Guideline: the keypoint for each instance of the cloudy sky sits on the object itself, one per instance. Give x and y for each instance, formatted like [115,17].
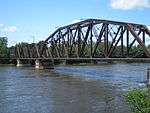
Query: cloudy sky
[34,20]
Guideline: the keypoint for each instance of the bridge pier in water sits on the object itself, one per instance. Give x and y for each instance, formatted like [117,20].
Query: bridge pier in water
[19,63]
[38,64]
[41,64]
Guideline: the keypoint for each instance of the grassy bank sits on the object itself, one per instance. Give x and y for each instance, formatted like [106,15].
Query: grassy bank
[139,100]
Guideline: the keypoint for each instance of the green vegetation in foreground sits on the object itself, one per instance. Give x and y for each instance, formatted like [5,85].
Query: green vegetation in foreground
[139,100]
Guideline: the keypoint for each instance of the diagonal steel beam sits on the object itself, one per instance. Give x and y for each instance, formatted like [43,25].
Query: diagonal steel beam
[85,40]
[134,40]
[99,38]
[114,39]
[130,28]
[114,47]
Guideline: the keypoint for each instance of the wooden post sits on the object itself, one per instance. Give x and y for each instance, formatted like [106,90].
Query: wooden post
[148,76]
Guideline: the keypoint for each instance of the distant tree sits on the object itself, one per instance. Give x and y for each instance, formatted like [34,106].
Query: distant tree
[4,52]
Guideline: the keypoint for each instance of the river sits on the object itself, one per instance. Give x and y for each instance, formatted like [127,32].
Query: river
[69,89]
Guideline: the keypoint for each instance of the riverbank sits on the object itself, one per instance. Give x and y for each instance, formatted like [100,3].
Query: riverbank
[139,100]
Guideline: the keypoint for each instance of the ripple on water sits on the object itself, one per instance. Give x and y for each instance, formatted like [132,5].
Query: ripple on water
[68,89]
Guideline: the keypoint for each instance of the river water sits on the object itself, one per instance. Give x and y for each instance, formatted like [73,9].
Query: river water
[69,89]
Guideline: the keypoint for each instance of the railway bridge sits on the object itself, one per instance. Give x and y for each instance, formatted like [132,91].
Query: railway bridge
[88,40]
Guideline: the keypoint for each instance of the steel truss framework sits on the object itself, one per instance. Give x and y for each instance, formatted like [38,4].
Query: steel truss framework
[92,38]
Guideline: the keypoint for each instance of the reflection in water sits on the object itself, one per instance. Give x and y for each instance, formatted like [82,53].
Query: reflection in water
[77,89]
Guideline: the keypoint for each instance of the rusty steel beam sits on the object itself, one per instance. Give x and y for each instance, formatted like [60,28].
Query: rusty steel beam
[85,40]
[89,21]
[130,28]
[99,38]
[130,46]
[80,41]
[114,47]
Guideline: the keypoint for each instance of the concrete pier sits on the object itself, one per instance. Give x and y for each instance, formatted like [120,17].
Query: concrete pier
[19,63]
[39,64]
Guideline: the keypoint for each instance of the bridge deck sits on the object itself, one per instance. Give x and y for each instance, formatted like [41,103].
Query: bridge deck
[96,59]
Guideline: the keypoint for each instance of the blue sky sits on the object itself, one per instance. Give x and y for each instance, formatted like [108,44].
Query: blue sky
[25,20]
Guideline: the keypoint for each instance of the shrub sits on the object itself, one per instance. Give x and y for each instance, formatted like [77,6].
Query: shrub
[139,100]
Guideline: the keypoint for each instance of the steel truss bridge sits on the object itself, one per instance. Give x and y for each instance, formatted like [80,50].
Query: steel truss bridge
[91,39]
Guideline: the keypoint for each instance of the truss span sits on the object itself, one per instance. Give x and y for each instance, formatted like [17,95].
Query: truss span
[91,38]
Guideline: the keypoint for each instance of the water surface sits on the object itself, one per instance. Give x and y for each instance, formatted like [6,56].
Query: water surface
[69,89]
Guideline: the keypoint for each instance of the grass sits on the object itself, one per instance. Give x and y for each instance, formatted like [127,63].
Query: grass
[139,100]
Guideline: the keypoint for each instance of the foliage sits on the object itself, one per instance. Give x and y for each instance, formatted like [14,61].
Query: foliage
[139,100]
[4,52]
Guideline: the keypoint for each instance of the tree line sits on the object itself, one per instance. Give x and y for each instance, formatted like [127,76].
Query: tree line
[136,49]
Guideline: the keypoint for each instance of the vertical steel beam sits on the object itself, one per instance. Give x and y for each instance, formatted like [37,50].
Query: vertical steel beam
[122,48]
[106,41]
[144,37]
[68,42]
[79,41]
[91,40]
[127,43]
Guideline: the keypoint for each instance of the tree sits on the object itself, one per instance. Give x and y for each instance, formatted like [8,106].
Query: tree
[4,52]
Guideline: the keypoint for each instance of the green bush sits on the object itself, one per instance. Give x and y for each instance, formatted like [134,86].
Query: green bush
[139,100]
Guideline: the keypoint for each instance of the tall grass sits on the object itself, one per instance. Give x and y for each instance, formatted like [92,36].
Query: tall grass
[139,100]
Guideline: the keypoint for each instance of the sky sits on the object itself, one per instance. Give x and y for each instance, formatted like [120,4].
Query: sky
[34,20]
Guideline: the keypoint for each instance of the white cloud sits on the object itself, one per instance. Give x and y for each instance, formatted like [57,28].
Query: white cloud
[1,25]
[129,4]
[75,21]
[7,29]
[10,29]
[148,27]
